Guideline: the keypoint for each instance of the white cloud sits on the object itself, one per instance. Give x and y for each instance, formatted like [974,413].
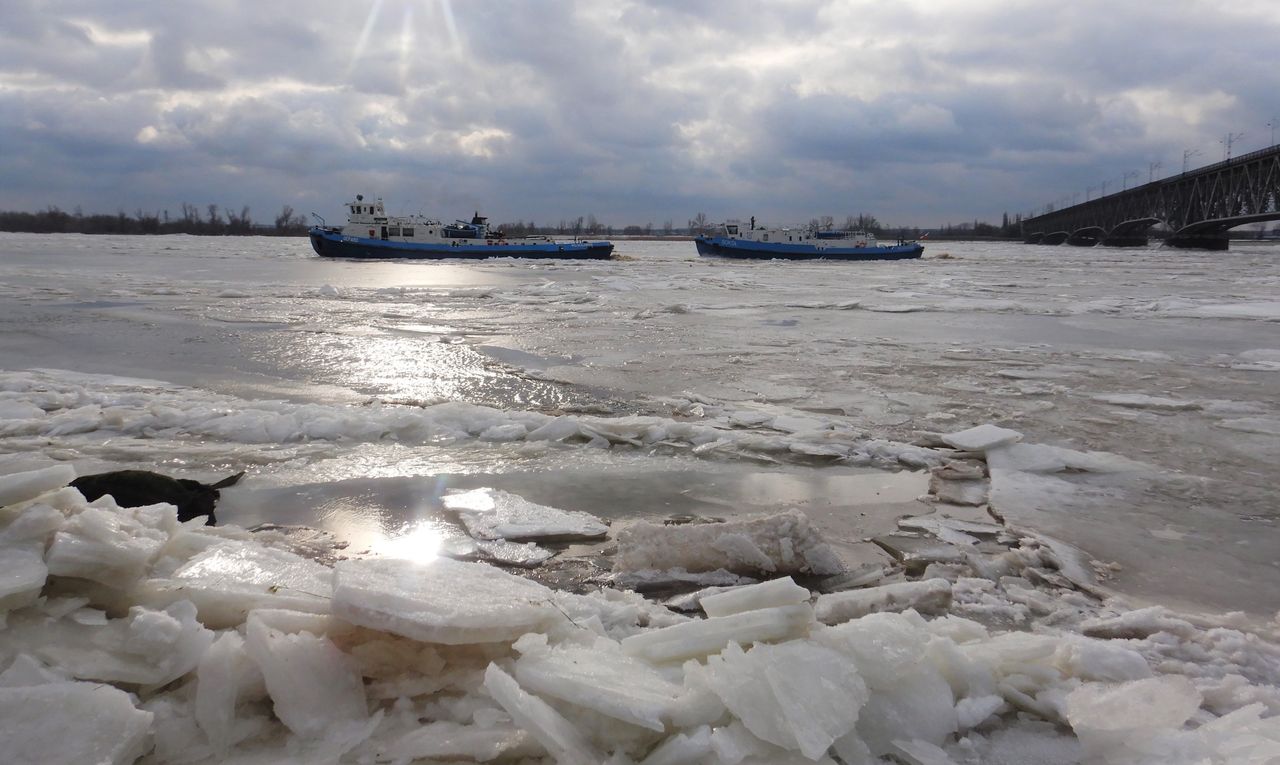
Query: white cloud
[632,110]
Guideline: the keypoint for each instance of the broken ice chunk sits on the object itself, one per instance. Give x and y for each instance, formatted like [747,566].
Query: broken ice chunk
[149,648]
[72,723]
[785,543]
[981,438]
[315,688]
[224,675]
[1115,721]
[972,493]
[20,487]
[796,695]
[1100,660]
[698,638]
[604,680]
[681,748]
[445,740]
[107,545]
[234,577]
[1143,401]
[28,670]
[442,601]
[525,555]
[494,514]
[916,553]
[22,576]
[777,592]
[562,740]
[928,596]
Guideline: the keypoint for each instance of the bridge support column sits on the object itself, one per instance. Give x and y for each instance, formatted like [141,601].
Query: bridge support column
[1205,242]
[1125,241]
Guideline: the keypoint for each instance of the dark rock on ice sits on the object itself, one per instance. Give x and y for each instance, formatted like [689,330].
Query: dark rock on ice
[137,488]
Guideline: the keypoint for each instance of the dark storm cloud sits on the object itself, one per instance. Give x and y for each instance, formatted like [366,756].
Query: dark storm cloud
[917,111]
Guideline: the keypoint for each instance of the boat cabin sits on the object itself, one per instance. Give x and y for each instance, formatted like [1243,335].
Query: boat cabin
[801,235]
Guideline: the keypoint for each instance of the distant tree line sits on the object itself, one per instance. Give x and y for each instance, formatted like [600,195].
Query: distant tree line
[213,221]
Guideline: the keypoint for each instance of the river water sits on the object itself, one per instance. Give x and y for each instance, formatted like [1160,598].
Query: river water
[1167,358]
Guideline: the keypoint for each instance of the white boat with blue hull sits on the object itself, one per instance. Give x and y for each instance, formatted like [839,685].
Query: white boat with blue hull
[734,240]
[372,234]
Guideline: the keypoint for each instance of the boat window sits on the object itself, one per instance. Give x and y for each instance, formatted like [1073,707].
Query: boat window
[733,230]
[407,231]
[764,238]
[393,231]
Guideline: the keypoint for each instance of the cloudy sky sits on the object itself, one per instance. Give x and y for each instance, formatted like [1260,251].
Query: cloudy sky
[920,112]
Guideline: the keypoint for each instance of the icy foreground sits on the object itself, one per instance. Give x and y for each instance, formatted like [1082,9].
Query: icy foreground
[161,642]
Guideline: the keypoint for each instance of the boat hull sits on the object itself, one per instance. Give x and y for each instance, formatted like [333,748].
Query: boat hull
[332,244]
[738,248]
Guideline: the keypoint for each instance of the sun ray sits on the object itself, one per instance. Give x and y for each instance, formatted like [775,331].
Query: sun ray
[406,45]
[363,41]
[450,25]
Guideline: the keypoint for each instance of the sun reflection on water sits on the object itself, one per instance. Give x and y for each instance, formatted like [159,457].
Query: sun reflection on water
[420,542]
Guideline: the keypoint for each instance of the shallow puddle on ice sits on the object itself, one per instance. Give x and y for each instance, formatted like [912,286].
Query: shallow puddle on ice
[405,515]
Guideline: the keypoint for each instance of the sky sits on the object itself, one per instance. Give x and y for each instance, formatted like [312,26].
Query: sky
[919,112]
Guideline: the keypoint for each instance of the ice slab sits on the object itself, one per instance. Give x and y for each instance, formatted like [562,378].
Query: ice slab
[926,596]
[147,648]
[796,695]
[606,681]
[233,577]
[446,740]
[20,487]
[695,639]
[22,576]
[785,543]
[441,601]
[562,740]
[776,592]
[27,670]
[110,545]
[955,492]
[225,676]
[981,438]
[1143,401]
[1117,722]
[494,514]
[71,723]
[315,688]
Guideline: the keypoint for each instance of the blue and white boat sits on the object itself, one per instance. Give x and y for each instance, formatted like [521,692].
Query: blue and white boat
[371,233]
[734,240]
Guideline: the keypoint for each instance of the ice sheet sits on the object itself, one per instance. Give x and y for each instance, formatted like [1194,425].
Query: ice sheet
[785,543]
[443,601]
[494,514]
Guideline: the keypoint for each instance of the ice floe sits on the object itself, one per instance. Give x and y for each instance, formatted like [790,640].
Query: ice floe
[491,514]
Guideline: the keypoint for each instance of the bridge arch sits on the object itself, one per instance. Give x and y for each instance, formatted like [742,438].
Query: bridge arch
[1089,236]
[1130,233]
[1212,234]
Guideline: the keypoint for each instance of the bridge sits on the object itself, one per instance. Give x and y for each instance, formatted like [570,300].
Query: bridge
[1198,207]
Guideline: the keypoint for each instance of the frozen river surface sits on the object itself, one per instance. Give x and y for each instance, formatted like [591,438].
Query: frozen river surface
[1167,360]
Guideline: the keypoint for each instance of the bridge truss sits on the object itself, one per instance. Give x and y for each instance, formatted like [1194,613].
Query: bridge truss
[1199,207]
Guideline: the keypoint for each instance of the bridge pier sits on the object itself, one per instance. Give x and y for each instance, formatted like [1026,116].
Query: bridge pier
[1125,241]
[1192,242]
[1034,238]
